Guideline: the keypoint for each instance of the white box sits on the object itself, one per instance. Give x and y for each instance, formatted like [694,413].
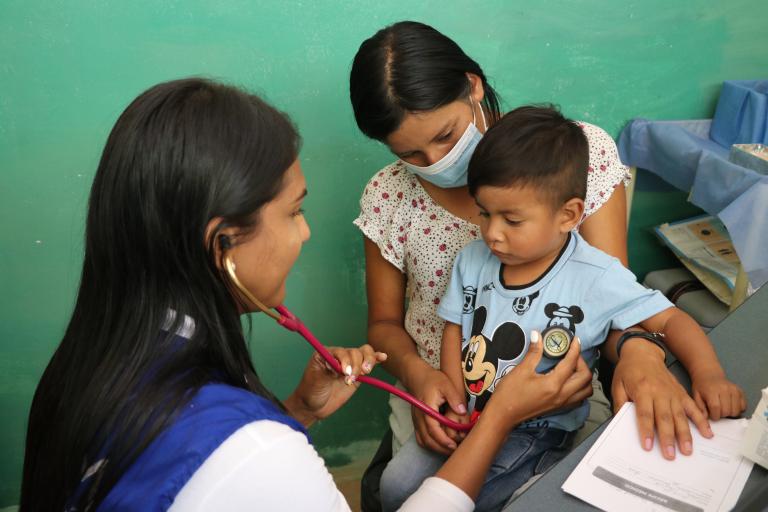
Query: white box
[754,446]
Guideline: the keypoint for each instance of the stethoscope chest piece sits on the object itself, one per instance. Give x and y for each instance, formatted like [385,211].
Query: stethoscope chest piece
[556,341]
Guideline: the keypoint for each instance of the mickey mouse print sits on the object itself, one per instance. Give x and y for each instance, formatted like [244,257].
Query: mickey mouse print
[486,360]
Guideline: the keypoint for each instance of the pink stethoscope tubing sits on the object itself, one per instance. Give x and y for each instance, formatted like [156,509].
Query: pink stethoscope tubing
[292,323]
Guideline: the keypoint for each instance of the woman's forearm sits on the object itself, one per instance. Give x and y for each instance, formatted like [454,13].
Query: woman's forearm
[403,361]
[386,288]
[468,465]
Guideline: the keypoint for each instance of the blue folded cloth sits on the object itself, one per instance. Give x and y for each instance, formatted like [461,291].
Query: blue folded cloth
[741,116]
[693,155]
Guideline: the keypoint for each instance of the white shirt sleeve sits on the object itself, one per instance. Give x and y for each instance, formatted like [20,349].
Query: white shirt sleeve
[266,465]
[438,494]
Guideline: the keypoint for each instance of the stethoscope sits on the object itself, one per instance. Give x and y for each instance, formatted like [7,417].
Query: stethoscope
[291,322]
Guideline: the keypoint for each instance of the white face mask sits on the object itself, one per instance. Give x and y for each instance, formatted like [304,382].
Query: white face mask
[451,170]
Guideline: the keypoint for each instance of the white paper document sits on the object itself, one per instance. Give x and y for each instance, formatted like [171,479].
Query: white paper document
[617,474]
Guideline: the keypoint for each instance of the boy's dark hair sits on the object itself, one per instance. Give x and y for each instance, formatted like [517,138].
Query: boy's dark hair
[534,146]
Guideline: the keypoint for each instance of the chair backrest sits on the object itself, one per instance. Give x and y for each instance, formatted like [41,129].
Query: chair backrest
[630,191]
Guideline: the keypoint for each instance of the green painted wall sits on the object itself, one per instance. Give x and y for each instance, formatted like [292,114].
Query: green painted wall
[68,68]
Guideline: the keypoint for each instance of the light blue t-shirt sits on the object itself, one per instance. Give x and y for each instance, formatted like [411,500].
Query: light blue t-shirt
[584,290]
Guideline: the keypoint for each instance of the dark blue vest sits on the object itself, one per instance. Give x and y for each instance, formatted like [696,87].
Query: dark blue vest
[160,472]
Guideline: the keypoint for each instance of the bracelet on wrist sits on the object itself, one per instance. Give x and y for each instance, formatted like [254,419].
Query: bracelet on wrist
[657,338]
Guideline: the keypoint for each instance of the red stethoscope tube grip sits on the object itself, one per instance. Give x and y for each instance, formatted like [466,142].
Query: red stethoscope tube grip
[415,402]
[292,323]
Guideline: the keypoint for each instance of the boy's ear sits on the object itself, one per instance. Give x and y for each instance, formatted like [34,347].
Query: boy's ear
[570,214]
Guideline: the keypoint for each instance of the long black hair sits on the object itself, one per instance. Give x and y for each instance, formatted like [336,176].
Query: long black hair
[410,67]
[182,153]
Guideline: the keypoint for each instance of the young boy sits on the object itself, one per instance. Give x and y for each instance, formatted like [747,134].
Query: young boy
[533,275]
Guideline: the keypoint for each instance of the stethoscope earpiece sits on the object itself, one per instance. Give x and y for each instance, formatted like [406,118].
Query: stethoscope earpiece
[230,268]
[225,243]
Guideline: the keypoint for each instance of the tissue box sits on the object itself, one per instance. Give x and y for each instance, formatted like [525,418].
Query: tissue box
[754,445]
[751,156]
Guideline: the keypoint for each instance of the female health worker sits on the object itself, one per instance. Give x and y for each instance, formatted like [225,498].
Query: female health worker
[151,401]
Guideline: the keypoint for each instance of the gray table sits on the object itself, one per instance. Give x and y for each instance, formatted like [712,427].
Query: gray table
[741,341]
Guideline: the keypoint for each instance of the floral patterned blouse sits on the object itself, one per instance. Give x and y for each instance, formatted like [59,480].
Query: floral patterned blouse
[421,238]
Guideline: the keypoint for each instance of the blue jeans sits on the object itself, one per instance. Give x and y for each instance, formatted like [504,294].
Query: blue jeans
[525,453]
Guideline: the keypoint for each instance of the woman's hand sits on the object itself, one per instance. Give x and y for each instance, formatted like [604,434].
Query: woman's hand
[661,401]
[322,391]
[434,388]
[568,383]
[564,386]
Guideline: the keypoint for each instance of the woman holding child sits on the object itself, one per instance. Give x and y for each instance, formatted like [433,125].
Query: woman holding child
[415,90]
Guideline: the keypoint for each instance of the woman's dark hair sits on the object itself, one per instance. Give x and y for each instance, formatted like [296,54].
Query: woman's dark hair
[182,153]
[410,67]
[536,146]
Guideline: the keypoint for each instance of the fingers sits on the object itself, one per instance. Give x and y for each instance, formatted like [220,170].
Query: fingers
[682,428]
[583,393]
[570,363]
[417,433]
[665,427]
[463,419]
[433,429]
[322,363]
[353,366]
[742,401]
[572,356]
[452,434]
[571,380]
[697,417]
[580,379]
[355,361]
[535,351]
[713,405]
[582,370]
[728,408]
[456,435]
[719,398]
[737,401]
[700,401]
[645,417]
[619,395]
[434,438]
[454,398]
[575,370]
[577,388]
[371,358]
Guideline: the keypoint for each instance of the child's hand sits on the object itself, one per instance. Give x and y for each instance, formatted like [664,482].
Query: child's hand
[716,395]
[456,435]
